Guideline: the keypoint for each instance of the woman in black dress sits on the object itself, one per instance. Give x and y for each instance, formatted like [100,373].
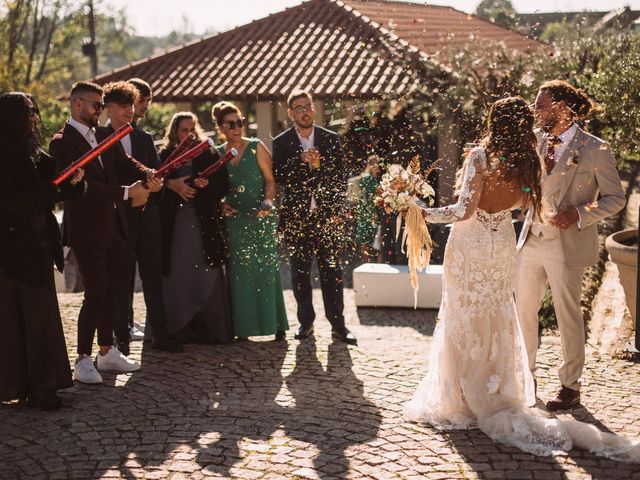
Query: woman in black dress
[193,244]
[33,354]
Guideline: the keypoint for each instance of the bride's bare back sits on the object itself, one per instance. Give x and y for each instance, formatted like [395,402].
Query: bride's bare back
[499,192]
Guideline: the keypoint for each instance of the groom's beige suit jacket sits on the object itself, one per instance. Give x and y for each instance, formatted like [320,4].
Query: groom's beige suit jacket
[591,185]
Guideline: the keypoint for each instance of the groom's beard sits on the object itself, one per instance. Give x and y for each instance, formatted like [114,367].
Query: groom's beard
[547,124]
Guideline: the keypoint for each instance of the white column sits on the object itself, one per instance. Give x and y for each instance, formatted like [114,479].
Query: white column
[264,119]
[319,117]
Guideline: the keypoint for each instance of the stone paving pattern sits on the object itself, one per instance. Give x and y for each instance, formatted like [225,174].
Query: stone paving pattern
[294,410]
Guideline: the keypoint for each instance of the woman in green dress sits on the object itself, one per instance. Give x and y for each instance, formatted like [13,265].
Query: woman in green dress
[257,302]
[366,213]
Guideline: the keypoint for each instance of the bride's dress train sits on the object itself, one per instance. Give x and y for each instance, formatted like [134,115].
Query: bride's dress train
[478,371]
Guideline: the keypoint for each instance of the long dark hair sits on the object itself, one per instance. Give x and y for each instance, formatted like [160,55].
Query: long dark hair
[18,141]
[510,135]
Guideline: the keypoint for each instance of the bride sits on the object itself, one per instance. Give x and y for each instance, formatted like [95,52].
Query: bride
[478,371]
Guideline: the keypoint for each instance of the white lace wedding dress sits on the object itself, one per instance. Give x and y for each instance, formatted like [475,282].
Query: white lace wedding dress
[478,374]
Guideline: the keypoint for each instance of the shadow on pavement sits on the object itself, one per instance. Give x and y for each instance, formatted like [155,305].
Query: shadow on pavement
[422,320]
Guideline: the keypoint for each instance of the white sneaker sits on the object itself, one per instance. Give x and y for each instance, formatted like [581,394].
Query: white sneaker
[85,372]
[114,361]
[136,334]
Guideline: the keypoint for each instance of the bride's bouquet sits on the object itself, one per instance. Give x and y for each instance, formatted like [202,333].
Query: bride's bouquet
[398,191]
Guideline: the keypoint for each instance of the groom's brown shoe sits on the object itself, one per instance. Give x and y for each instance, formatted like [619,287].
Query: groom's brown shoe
[565,399]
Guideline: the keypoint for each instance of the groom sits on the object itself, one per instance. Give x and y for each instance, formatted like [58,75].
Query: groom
[308,163]
[580,187]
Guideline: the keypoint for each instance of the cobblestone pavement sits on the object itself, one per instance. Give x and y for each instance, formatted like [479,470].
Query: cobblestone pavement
[316,409]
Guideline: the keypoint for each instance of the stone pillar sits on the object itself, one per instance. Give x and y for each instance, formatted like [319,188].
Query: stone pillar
[448,134]
[265,120]
[319,118]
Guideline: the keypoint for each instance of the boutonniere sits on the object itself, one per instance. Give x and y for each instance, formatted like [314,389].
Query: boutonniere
[573,159]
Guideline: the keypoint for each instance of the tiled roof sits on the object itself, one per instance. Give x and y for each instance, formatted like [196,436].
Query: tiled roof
[435,29]
[336,48]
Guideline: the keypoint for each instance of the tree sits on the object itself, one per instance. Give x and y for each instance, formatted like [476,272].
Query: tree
[497,11]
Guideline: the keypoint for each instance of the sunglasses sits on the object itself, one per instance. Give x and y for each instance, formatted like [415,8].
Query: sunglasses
[232,125]
[32,111]
[96,105]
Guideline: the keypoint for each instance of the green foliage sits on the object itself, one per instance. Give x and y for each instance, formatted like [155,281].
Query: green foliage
[157,120]
[615,86]
[546,314]
[497,11]
[40,52]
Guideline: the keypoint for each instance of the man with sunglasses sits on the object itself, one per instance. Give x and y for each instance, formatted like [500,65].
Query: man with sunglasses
[308,164]
[95,226]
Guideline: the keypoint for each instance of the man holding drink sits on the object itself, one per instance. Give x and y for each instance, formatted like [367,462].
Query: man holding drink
[308,164]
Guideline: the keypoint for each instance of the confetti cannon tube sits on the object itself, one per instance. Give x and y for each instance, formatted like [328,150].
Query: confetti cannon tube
[94,152]
[169,167]
[217,165]
[182,147]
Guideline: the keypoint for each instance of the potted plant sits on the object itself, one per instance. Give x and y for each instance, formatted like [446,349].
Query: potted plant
[623,248]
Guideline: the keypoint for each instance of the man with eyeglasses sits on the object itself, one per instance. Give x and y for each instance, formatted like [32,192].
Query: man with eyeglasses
[308,164]
[95,226]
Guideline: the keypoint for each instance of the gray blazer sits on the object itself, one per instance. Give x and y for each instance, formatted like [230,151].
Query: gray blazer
[591,185]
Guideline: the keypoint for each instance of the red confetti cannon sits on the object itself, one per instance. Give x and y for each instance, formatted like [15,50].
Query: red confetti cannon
[94,152]
[169,167]
[217,165]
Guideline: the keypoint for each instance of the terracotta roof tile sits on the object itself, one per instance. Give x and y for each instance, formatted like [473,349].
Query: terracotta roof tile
[336,48]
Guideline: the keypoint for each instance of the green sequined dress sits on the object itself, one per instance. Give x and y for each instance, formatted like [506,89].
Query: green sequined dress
[257,301]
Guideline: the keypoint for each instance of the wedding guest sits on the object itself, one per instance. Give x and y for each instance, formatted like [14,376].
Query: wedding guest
[144,223]
[367,219]
[95,226]
[580,187]
[257,301]
[193,243]
[308,164]
[33,354]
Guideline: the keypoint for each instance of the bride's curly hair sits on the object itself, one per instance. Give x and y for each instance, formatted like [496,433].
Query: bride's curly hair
[510,139]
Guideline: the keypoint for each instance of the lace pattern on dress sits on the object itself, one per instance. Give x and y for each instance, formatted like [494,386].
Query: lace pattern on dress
[470,192]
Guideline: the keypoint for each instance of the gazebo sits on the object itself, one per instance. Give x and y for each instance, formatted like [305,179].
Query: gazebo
[341,50]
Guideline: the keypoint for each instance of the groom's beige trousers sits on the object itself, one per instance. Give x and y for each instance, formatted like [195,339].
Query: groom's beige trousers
[541,261]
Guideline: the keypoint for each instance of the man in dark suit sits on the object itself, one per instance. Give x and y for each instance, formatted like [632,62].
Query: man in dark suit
[308,164]
[95,226]
[143,224]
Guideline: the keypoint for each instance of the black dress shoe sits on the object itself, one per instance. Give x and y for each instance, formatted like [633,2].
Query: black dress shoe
[565,399]
[281,335]
[304,332]
[167,345]
[344,336]
[123,348]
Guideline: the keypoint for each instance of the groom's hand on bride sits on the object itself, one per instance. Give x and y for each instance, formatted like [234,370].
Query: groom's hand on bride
[564,220]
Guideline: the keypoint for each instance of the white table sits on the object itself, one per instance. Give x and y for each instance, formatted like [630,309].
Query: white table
[381,285]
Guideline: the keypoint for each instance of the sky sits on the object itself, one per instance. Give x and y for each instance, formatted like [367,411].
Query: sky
[160,17]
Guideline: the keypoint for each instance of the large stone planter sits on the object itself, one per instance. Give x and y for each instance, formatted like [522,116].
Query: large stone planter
[626,258]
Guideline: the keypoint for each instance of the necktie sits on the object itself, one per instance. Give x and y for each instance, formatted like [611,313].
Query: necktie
[91,138]
[549,158]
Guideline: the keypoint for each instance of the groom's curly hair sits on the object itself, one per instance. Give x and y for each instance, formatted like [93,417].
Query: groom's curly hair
[510,138]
